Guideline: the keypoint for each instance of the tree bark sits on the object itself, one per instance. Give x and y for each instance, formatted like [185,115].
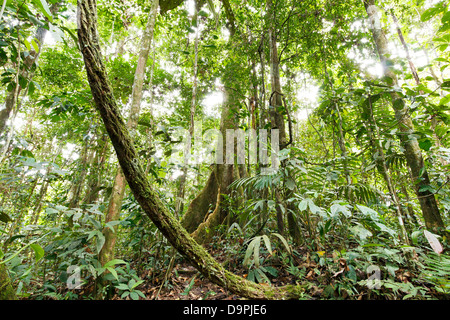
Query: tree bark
[205,211]
[420,179]
[6,289]
[97,171]
[139,185]
[115,203]
[187,149]
[277,122]
[207,207]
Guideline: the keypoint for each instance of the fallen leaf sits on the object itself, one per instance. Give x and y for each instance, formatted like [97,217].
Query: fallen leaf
[433,241]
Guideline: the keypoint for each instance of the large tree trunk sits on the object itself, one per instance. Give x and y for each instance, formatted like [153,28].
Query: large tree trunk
[206,212]
[118,192]
[420,179]
[139,185]
[213,212]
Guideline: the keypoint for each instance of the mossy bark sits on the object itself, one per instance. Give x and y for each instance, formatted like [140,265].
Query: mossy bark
[200,207]
[148,199]
[6,289]
[118,192]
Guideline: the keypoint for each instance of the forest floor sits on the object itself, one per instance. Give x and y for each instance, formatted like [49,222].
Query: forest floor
[180,287]
[186,283]
[323,282]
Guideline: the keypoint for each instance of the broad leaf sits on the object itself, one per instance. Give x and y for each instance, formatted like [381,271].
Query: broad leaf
[114,262]
[38,251]
[44,9]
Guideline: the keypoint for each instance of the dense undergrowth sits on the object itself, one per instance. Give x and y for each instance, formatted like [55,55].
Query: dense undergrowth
[342,216]
[344,251]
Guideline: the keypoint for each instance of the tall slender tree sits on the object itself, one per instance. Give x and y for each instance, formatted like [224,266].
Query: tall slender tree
[118,190]
[413,154]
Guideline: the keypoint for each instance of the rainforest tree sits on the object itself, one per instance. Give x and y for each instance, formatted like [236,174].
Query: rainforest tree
[267,149]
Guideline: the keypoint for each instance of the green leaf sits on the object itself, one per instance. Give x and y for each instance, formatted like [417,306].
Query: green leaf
[49,210]
[136,284]
[290,184]
[256,252]
[189,287]
[368,211]
[250,250]
[114,262]
[446,17]
[71,34]
[38,251]
[314,209]
[35,45]
[445,100]
[100,242]
[93,233]
[426,188]
[134,295]
[267,243]
[96,224]
[415,237]
[425,144]
[337,208]
[283,240]
[111,225]
[43,8]
[93,270]
[443,47]
[122,286]
[4,217]
[430,13]
[27,44]
[35,20]
[113,272]
[303,205]
[361,232]
[131,283]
